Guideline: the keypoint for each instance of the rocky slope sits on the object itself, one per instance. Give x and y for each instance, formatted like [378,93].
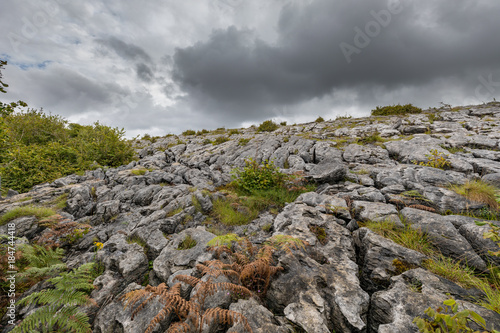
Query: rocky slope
[365,168]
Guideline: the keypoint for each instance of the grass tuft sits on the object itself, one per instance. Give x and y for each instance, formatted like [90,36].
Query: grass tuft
[39,212]
[478,191]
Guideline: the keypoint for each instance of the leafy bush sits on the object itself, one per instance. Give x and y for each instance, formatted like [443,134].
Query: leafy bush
[188,132]
[450,320]
[243,142]
[319,120]
[255,176]
[395,110]
[220,139]
[267,126]
[40,148]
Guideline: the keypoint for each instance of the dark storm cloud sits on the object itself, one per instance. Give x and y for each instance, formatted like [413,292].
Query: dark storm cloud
[144,72]
[125,50]
[414,45]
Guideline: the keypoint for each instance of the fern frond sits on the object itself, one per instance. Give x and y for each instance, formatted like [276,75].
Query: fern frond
[226,317]
[191,280]
[39,273]
[39,256]
[422,207]
[68,319]
[212,288]
[216,268]
[179,327]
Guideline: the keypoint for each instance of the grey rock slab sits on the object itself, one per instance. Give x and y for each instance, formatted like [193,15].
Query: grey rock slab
[328,294]
[172,260]
[330,272]
[484,166]
[444,236]
[449,201]
[328,171]
[410,294]
[127,259]
[115,318]
[492,178]
[260,319]
[25,226]
[326,204]
[376,211]
[376,258]
[355,153]
[80,201]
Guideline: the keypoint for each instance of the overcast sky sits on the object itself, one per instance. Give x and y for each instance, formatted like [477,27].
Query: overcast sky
[164,66]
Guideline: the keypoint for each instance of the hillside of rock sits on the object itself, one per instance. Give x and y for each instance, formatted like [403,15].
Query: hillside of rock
[348,278]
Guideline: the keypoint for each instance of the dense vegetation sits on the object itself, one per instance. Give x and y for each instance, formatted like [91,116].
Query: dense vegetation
[36,147]
[392,110]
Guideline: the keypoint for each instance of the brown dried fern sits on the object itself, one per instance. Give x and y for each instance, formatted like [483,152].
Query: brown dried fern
[422,207]
[226,317]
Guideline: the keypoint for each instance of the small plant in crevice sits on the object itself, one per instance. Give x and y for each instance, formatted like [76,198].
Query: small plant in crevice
[436,160]
[320,234]
[187,243]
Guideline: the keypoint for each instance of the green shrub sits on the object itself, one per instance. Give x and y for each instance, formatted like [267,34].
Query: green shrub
[243,142]
[255,176]
[267,126]
[450,319]
[203,131]
[435,160]
[188,132]
[220,139]
[233,131]
[207,142]
[319,120]
[395,110]
[38,148]
[283,123]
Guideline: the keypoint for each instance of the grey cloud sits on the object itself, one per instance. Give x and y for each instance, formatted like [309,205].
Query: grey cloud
[144,72]
[125,50]
[235,72]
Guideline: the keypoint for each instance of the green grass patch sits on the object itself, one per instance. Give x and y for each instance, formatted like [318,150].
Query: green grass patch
[60,202]
[39,212]
[478,191]
[187,243]
[137,240]
[407,237]
[138,172]
[453,271]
